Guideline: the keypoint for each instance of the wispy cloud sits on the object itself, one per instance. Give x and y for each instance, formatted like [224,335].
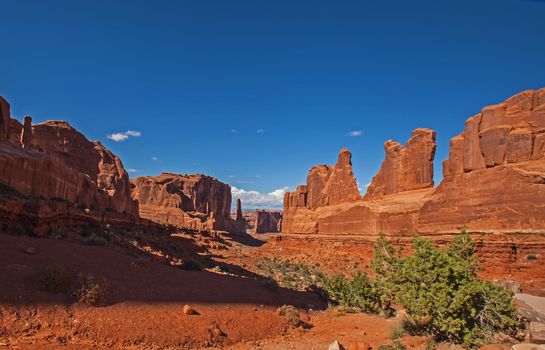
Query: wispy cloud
[255,199]
[260,131]
[156,159]
[122,136]
[355,133]
[233,131]
[132,170]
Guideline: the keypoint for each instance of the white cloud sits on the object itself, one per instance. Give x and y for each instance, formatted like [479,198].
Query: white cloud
[254,199]
[233,131]
[131,170]
[122,136]
[355,133]
[260,131]
[156,159]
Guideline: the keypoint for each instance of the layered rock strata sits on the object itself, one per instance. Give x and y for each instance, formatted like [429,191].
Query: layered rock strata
[196,201]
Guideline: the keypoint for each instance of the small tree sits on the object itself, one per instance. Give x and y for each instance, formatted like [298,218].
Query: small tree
[441,292]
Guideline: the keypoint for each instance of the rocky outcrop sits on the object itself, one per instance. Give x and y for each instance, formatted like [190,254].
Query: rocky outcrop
[326,185]
[239,210]
[5,116]
[494,181]
[267,221]
[53,161]
[406,168]
[188,201]
[26,133]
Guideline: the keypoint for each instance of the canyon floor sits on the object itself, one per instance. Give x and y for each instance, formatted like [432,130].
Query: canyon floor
[236,306]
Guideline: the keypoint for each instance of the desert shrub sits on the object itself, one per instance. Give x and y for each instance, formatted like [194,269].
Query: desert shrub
[90,290]
[291,314]
[531,257]
[441,292]
[290,275]
[54,279]
[191,265]
[358,292]
[394,345]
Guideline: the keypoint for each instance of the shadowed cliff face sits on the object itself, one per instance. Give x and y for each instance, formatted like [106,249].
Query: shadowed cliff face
[53,161]
[194,201]
[494,181]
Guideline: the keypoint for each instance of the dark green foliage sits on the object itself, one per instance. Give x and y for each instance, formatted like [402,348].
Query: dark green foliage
[441,292]
[395,345]
[90,290]
[289,275]
[95,240]
[358,292]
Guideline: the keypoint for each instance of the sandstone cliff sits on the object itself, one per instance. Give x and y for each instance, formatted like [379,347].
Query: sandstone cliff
[189,201]
[326,185]
[53,161]
[267,221]
[494,181]
[406,168]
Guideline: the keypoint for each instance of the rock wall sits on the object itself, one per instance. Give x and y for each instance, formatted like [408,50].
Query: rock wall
[267,221]
[326,185]
[5,116]
[49,164]
[406,168]
[189,201]
[494,181]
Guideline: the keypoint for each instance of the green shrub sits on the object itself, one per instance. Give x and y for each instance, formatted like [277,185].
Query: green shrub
[289,275]
[359,292]
[291,314]
[395,345]
[441,292]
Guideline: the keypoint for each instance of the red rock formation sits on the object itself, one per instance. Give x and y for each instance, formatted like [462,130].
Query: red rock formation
[67,167]
[189,201]
[406,168]
[494,181]
[26,133]
[326,185]
[267,221]
[239,210]
[5,117]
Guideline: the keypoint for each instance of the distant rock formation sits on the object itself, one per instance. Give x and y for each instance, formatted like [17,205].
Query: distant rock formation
[188,201]
[267,221]
[326,185]
[494,181]
[406,168]
[239,210]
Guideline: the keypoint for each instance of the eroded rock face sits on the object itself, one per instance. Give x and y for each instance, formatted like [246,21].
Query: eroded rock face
[406,168]
[189,201]
[54,161]
[494,181]
[267,221]
[5,117]
[326,185]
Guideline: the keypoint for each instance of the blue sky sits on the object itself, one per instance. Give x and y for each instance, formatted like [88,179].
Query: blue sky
[256,92]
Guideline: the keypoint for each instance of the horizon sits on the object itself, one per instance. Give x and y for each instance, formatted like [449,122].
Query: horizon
[174,87]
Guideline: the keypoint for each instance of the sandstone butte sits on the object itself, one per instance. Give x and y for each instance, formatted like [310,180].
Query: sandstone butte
[55,163]
[267,221]
[195,201]
[493,182]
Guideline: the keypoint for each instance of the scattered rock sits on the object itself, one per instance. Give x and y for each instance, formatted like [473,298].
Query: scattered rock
[537,332]
[188,310]
[30,250]
[335,346]
[527,346]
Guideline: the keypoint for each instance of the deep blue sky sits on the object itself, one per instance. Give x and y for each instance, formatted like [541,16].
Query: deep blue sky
[187,74]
